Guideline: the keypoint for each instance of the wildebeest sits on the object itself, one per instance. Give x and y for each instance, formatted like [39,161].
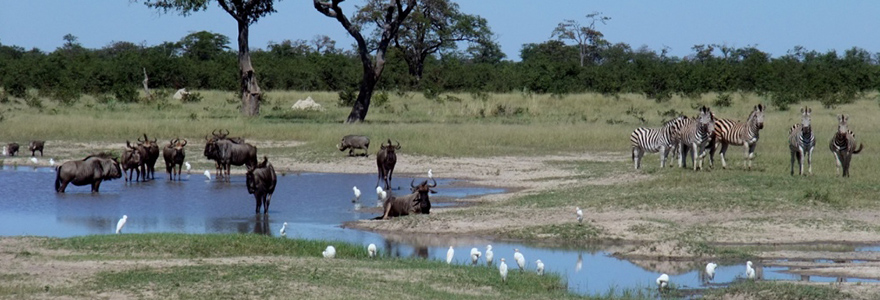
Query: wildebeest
[152,148]
[174,155]
[91,170]
[261,182]
[416,203]
[386,158]
[35,146]
[352,142]
[131,161]
[12,148]
[227,152]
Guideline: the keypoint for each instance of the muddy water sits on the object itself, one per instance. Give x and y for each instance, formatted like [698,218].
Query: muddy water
[314,205]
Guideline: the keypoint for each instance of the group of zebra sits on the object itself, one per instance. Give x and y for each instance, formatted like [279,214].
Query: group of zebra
[702,134]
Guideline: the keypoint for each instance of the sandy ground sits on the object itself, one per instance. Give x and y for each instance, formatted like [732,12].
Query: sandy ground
[528,175]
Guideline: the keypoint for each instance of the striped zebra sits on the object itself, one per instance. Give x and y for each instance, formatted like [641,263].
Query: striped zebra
[843,145]
[696,133]
[730,132]
[801,141]
[663,140]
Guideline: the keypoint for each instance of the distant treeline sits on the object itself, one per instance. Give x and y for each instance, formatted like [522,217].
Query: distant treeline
[203,61]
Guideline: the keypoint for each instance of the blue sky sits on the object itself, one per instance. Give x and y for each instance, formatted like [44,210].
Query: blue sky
[772,26]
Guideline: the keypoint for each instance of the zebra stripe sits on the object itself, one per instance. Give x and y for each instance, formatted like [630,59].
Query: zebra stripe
[843,144]
[663,140]
[730,132]
[801,142]
[696,134]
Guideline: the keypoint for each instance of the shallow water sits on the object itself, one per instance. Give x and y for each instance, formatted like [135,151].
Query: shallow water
[314,205]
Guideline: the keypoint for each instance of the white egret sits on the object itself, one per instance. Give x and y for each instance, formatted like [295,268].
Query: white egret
[4,151]
[662,282]
[489,255]
[520,259]
[475,256]
[502,268]
[34,160]
[330,252]
[188,166]
[430,174]
[208,174]
[449,254]
[579,264]
[357,194]
[540,268]
[283,230]
[371,250]
[710,270]
[580,215]
[750,273]
[121,223]
[51,162]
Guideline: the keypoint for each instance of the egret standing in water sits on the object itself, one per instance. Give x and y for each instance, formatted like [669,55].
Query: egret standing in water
[357,197]
[51,162]
[371,250]
[475,256]
[208,175]
[750,273]
[449,254]
[540,268]
[330,252]
[502,268]
[283,230]
[430,174]
[489,255]
[121,223]
[710,270]
[188,166]
[34,160]
[580,215]
[662,282]
[380,196]
[520,259]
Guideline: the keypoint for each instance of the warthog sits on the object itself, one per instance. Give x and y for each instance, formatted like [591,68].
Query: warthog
[35,146]
[416,203]
[227,152]
[386,158]
[352,142]
[261,182]
[12,148]
[152,148]
[174,155]
[92,170]
[131,162]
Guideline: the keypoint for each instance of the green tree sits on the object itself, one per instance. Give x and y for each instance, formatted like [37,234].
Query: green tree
[204,45]
[587,38]
[394,15]
[245,13]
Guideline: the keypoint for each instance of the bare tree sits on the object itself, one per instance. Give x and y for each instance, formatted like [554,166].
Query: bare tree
[588,39]
[245,13]
[394,15]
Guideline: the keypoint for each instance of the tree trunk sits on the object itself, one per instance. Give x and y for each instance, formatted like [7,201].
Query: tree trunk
[147,85]
[365,94]
[250,90]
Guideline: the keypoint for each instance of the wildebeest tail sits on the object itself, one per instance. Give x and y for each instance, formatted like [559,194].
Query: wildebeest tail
[859,149]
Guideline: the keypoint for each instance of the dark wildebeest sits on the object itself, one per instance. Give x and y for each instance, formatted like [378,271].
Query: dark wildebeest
[131,162]
[416,203]
[174,155]
[92,170]
[212,152]
[261,181]
[385,160]
[35,146]
[352,142]
[227,153]
[152,156]
[12,148]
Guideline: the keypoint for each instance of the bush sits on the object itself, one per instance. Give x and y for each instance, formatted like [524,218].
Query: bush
[379,99]
[722,100]
[125,93]
[192,97]
[347,97]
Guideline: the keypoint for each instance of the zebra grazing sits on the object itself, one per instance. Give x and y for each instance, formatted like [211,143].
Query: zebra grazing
[801,141]
[663,140]
[730,132]
[696,133]
[843,145]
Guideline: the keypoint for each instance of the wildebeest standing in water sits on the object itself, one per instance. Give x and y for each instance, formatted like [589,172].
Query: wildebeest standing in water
[174,155]
[386,158]
[91,170]
[416,203]
[35,146]
[261,182]
[12,148]
[352,142]
[152,148]
[131,162]
[229,151]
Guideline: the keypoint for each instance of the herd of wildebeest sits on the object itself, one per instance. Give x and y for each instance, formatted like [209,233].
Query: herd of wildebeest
[138,161]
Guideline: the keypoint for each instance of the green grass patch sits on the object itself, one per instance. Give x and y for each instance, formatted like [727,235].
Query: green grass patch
[775,290]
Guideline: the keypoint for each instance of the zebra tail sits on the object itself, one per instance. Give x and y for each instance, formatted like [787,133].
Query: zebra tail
[859,149]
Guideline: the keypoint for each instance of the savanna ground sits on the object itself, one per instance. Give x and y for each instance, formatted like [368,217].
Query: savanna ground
[552,153]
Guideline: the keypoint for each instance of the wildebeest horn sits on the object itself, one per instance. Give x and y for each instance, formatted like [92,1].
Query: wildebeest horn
[435,182]
[146,139]
[206,138]
[139,139]
[412,183]
[396,147]
[172,142]
[184,142]
[224,134]
[128,144]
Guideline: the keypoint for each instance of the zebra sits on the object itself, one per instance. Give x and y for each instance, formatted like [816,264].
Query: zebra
[730,132]
[663,140]
[696,133]
[801,141]
[843,144]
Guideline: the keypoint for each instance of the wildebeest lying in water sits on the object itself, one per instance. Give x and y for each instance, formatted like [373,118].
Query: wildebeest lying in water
[261,182]
[91,170]
[12,148]
[352,142]
[416,203]
[35,146]
[174,155]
